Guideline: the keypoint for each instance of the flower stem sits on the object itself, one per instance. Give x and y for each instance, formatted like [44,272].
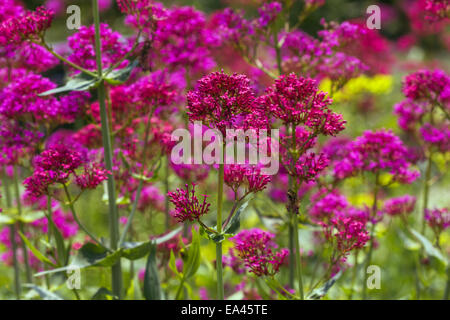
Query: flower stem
[21,227]
[426,189]
[354,273]
[166,197]
[12,234]
[298,261]
[77,220]
[141,181]
[220,291]
[447,286]
[372,231]
[116,269]
[62,59]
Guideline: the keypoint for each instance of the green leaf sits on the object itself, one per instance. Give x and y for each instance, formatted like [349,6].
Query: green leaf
[90,255]
[119,76]
[5,219]
[235,222]
[31,217]
[322,290]
[429,248]
[152,286]
[103,294]
[93,255]
[137,250]
[143,178]
[408,242]
[81,82]
[192,263]
[168,236]
[60,247]
[35,251]
[43,293]
[172,265]
[214,236]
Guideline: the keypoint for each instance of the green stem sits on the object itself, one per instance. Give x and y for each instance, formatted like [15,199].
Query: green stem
[278,53]
[220,291]
[447,286]
[426,190]
[298,261]
[116,269]
[77,220]
[372,231]
[141,181]
[12,234]
[21,227]
[166,198]
[354,273]
[61,58]
[180,289]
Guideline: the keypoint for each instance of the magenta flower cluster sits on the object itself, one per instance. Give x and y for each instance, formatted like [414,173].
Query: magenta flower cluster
[27,26]
[187,205]
[400,206]
[345,234]
[57,166]
[379,151]
[256,250]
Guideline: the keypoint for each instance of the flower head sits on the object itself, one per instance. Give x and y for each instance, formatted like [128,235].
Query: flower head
[400,205]
[255,248]
[297,100]
[28,26]
[429,86]
[376,151]
[57,165]
[187,205]
[249,176]
[220,99]
[345,234]
[438,219]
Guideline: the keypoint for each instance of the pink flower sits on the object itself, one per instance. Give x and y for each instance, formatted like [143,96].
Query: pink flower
[409,114]
[268,13]
[428,86]
[438,219]
[220,99]
[309,166]
[345,234]
[437,10]
[437,136]
[400,205]
[83,47]
[57,165]
[376,151]
[297,100]
[249,176]
[255,249]
[28,26]
[187,205]
[93,175]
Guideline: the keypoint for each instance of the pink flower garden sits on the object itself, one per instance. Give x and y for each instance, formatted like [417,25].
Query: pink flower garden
[87,170]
